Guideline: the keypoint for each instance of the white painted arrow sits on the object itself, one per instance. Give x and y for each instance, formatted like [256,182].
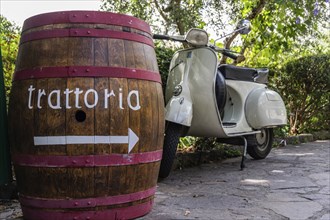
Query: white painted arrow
[131,140]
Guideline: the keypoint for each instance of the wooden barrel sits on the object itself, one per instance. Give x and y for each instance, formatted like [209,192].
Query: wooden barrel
[86,116]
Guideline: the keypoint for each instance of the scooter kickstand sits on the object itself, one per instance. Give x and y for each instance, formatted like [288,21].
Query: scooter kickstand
[244,153]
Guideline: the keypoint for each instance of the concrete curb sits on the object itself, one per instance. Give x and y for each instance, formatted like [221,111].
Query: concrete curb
[302,138]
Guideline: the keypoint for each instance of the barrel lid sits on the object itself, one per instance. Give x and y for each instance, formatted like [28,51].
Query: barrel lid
[89,17]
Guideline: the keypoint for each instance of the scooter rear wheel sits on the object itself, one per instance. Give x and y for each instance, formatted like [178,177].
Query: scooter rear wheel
[260,145]
[171,141]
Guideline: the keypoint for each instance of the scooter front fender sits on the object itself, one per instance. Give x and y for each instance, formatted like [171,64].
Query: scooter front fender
[179,110]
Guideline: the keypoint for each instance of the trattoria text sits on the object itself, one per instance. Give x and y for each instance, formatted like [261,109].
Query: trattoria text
[76,98]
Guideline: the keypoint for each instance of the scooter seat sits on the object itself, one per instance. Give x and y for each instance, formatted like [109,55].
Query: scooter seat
[244,73]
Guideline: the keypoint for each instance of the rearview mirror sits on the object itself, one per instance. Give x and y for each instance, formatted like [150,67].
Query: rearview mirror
[244,26]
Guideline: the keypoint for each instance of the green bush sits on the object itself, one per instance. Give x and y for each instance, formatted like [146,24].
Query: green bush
[164,56]
[305,87]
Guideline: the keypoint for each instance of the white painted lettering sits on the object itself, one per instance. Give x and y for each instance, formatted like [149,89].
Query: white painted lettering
[121,98]
[67,98]
[77,92]
[30,89]
[137,106]
[90,99]
[40,93]
[58,99]
[106,96]
[96,98]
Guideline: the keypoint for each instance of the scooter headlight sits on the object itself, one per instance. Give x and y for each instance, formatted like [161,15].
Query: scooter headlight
[197,37]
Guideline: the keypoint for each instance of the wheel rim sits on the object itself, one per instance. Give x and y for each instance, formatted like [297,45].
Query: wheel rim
[262,139]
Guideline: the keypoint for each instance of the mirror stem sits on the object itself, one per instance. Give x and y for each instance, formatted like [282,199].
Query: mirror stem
[237,30]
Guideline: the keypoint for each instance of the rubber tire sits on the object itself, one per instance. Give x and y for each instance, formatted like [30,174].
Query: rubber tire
[260,145]
[171,141]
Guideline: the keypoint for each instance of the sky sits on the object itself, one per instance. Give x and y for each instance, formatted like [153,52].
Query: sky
[19,10]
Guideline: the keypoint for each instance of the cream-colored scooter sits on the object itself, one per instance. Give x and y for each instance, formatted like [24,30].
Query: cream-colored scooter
[205,99]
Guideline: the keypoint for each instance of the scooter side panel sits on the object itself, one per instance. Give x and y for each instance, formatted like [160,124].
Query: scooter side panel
[194,70]
[234,112]
[179,106]
[206,119]
[179,111]
[265,108]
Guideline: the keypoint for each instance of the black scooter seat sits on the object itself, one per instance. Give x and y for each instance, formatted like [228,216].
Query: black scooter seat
[244,73]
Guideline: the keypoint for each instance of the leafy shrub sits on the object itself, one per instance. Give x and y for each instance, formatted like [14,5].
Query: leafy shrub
[164,56]
[9,46]
[305,87]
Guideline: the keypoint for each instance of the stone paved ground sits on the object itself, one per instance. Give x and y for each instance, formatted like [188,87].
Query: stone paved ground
[293,182]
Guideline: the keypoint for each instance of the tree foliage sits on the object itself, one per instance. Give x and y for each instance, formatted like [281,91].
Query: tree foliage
[164,15]
[9,46]
[276,25]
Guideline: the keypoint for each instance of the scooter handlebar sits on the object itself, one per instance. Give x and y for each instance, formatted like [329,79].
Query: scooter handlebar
[226,53]
[160,37]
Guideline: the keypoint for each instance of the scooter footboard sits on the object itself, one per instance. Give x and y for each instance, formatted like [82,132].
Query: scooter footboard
[265,108]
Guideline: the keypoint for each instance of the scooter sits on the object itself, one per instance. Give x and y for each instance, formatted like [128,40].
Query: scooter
[206,99]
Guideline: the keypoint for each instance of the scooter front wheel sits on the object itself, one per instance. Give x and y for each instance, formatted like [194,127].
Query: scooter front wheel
[171,141]
[260,145]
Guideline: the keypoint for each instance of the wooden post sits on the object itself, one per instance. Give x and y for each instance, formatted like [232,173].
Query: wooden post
[5,163]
